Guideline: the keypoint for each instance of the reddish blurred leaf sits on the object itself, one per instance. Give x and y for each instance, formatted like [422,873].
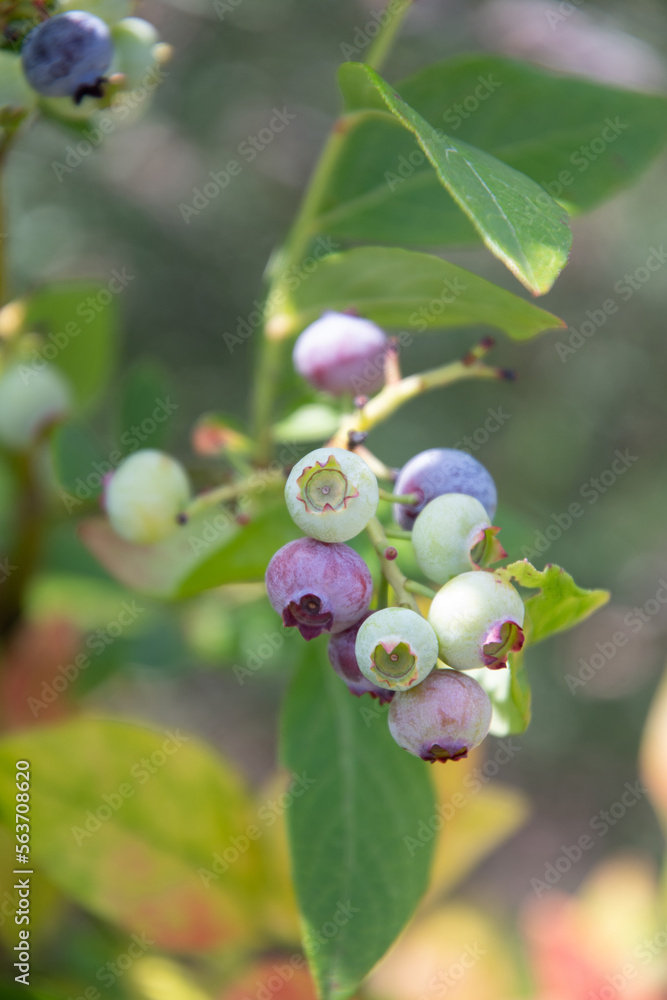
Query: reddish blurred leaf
[34,686]
[145,828]
[286,974]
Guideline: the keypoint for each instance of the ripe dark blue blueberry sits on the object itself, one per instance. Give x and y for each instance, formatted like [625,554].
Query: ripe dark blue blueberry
[442,470]
[443,718]
[344,661]
[318,587]
[340,353]
[68,55]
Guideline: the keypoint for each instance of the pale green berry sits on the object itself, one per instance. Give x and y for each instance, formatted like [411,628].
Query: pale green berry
[477,619]
[396,648]
[30,400]
[145,495]
[331,494]
[134,51]
[445,533]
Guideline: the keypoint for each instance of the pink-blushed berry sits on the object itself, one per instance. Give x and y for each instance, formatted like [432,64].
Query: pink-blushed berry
[447,531]
[331,494]
[443,718]
[478,620]
[344,661]
[339,353]
[442,470]
[318,587]
[396,648]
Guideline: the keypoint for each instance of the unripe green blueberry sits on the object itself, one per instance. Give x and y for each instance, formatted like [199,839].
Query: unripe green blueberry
[445,533]
[145,495]
[443,718]
[343,658]
[331,494]
[396,648]
[134,51]
[30,400]
[477,619]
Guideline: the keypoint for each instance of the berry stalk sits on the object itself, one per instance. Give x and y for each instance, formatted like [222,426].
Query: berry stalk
[410,499]
[390,571]
[393,396]
[384,40]
[230,491]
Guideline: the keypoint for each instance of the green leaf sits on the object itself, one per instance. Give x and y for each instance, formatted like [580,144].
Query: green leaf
[385,190]
[378,195]
[538,121]
[145,408]
[245,556]
[517,220]
[356,878]
[409,290]
[78,323]
[79,461]
[310,422]
[125,819]
[560,605]
[509,691]
[212,549]
[28,993]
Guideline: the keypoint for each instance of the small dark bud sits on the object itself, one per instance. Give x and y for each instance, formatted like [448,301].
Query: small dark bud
[356,438]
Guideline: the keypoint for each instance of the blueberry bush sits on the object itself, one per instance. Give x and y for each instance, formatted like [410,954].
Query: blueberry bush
[411,631]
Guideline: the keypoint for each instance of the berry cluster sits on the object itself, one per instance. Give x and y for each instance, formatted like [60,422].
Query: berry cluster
[75,54]
[443,501]
[318,584]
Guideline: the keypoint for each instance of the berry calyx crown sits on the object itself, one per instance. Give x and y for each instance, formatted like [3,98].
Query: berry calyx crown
[324,487]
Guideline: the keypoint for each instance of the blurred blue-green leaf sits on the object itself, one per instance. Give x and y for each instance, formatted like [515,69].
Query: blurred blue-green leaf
[79,326]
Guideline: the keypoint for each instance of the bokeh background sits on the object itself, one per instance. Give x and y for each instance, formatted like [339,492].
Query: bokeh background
[565,417]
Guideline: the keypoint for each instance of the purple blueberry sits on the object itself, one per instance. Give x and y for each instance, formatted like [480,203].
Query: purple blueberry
[443,718]
[68,55]
[340,353]
[318,587]
[437,471]
[344,662]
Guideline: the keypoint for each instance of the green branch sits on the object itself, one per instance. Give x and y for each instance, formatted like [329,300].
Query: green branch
[389,567]
[379,50]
